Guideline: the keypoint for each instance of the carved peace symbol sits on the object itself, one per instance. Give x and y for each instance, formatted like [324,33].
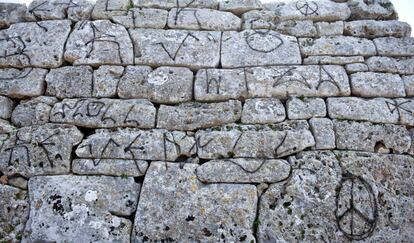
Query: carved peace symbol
[307,8]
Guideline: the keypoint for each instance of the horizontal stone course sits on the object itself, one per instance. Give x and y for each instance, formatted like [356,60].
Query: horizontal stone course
[371,84]
[337,46]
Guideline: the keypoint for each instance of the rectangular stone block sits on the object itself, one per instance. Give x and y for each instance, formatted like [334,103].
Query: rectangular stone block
[105,9]
[391,46]
[255,48]
[143,18]
[305,108]
[374,28]
[356,68]
[22,83]
[35,111]
[55,9]
[6,107]
[391,65]
[35,44]
[262,111]
[70,82]
[337,46]
[169,4]
[330,28]
[193,49]
[333,60]
[254,141]
[370,84]
[134,144]
[192,116]
[104,113]
[105,81]
[375,10]
[409,85]
[323,132]
[239,7]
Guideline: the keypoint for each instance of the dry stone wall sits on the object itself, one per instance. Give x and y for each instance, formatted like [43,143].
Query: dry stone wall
[206,121]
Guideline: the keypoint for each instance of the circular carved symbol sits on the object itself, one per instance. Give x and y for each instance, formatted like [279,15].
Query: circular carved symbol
[263,42]
[356,207]
[307,8]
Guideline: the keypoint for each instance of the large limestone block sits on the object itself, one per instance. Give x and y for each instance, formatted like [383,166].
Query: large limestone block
[366,136]
[374,29]
[99,42]
[323,131]
[112,167]
[143,18]
[6,107]
[305,108]
[75,10]
[262,111]
[192,116]
[392,46]
[337,46]
[39,150]
[70,82]
[81,208]
[36,44]
[258,48]
[378,9]
[105,81]
[244,171]
[168,4]
[254,141]
[239,7]
[134,144]
[33,112]
[330,28]
[370,84]
[103,113]
[409,85]
[193,49]
[11,13]
[176,206]
[390,65]
[106,9]
[284,81]
[21,83]
[202,19]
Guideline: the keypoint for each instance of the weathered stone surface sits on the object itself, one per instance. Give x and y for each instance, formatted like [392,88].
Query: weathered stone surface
[21,83]
[113,167]
[244,171]
[391,46]
[190,211]
[33,112]
[333,60]
[5,127]
[102,113]
[168,4]
[70,82]
[356,68]
[143,18]
[409,85]
[379,9]
[220,84]
[239,7]
[105,9]
[191,116]
[330,28]
[39,150]
[6,107]
[99,42]
[391,65]
[284,81]
[305,108]
[105,81]
[262,111]
[370,84]
[166,85]
[64,208]
[321,10]
[38,44]
[323,132]
[194,49]
[269,48]
[254,141]
[374,29]
[134,144]
[202,19]
[337,46]
[11,13]
[75,10]
[366,136]
[14,212]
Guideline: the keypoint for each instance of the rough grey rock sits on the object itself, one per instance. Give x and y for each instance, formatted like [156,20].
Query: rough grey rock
[262,48]
[70,82]
[194,115]
[168,4]
[409,85]
[143,18]
[106,9]
[202,19]
[105,113]
[244,171]
[391,65]
[36,44]
[377,9]
[330,28]
[366,136]
[166,85]
[374,29]
[5,127]
[14,212]
[11,13]
[190,211]
[323,132]
[88,209]
[262,111]
[391,46]
[6,107]
[284,81]
[337,46]
[21,83]
[254,141]
[134,144]
[356,68]
[333,60]
[239,7]
[99,42]
[39,150]
[112,167]
[370,84]
[105,81]
[33,112]
[193,49]
[220,84]
[305,108]
[18,181]
[75,10]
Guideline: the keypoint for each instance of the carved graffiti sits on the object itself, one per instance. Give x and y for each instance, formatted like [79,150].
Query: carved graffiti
[289,76]
[398,107]
[263,41]
[307,8]
[173,54]
[15,47]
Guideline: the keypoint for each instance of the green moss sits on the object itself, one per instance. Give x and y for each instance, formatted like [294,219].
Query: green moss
[289,211]
[230,154]
[123,176]
[130,5]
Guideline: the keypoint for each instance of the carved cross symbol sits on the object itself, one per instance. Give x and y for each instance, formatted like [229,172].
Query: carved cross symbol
[398,107]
